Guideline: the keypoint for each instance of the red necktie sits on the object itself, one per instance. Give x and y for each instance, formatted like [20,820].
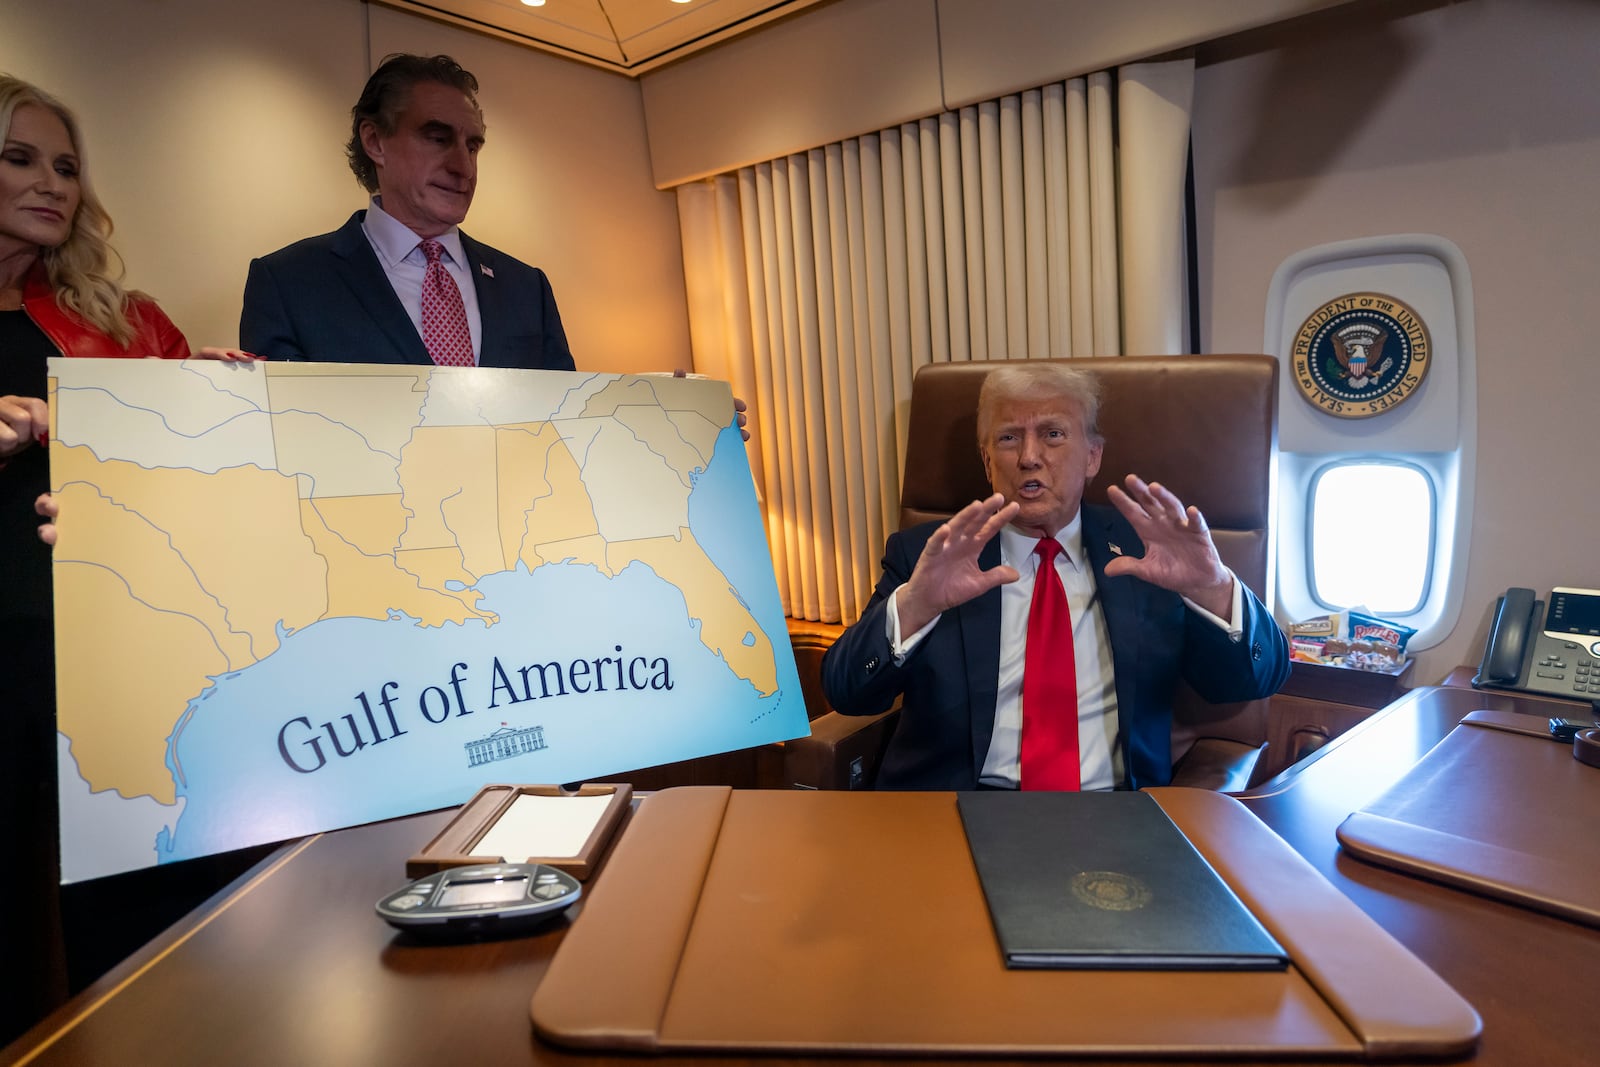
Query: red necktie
[1049,683]
[444,317]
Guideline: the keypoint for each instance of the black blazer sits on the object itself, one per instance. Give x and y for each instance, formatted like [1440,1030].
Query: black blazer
[948,681]
[327,299]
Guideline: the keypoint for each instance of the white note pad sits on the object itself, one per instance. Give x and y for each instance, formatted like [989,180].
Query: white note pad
[543,826]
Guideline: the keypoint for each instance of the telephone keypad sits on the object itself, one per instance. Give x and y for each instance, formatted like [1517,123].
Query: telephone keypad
[1570,663]
[1587,677]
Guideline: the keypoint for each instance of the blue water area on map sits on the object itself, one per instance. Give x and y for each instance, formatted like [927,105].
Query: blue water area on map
[725,519]
[233,752]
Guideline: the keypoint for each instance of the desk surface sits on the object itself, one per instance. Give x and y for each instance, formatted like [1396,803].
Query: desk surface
[292,966]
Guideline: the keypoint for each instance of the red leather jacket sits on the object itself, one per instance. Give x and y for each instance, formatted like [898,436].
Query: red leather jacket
[153,333]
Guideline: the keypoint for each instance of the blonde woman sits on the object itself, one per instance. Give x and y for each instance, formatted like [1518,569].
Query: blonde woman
[59,293]
[59,296]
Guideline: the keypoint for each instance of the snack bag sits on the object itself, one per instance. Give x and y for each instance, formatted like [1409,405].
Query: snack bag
[1305,651]
[1318,629]
[1308,638]
[1376,644]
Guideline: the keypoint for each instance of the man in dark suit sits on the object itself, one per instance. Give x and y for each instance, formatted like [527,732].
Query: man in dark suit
[356,295]
[947,629]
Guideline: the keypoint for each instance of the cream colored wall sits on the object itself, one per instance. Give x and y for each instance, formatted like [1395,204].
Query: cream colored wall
[1478,121]
[855,66]
[838,70]
[207,144]
[215,132]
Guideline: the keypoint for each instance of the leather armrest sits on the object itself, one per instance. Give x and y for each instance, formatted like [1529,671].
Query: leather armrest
[842,752]
[1218,764]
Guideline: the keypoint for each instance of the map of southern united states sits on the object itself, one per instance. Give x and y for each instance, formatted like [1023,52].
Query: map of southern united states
[368,494]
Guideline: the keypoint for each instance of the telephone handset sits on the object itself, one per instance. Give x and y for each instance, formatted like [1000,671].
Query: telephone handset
[1554,652]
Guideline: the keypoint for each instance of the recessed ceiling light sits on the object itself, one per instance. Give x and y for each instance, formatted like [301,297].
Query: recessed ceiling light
[534,3]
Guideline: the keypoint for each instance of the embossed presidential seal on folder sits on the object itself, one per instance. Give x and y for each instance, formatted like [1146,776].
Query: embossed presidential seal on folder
[1107,881]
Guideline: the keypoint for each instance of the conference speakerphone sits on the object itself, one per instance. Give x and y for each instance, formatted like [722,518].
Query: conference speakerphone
[487,900]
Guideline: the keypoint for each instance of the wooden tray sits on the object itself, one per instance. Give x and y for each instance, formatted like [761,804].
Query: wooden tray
[458,844]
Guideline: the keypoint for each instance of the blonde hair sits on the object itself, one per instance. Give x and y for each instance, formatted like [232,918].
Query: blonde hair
[84,270]
[1032,380]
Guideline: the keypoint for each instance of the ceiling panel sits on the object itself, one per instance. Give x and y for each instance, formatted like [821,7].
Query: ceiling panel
[627,36]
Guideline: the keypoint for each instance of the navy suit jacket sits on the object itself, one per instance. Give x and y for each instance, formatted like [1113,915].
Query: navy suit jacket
[948,680]
[327,299]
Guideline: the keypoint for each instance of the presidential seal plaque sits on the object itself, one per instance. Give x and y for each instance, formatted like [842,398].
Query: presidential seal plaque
[1361,355]
[1110,890]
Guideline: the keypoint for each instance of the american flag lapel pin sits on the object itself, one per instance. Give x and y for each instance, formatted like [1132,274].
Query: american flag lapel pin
[483,268]
[1116,549]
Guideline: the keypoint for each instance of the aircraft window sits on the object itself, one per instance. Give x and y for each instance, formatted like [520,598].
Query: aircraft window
[1399,476]
[1370,536]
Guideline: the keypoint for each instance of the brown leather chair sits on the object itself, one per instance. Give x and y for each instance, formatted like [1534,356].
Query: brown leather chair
[1204,426]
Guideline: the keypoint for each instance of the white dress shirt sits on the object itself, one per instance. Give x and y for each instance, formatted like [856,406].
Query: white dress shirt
[404,263]
[1099,762]
[1099,757]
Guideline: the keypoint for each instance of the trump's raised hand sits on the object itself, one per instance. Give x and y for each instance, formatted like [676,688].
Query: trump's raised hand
[947,572]
[1178,551]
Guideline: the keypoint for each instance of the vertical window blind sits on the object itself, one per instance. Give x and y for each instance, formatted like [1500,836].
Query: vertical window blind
[819,282]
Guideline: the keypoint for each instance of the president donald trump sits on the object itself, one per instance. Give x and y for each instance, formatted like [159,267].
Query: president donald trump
[1036,641]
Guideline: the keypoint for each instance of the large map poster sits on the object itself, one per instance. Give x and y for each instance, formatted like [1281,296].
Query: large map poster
[295,597]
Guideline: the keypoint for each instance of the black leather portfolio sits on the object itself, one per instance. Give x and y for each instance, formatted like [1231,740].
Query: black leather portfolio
[1105,880]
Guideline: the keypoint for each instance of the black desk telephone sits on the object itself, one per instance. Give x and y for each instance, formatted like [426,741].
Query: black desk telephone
[1560,658]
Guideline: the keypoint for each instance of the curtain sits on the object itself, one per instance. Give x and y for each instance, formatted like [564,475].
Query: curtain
[819,282]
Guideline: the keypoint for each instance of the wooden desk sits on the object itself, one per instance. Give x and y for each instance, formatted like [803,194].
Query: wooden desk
[291,966]
[1516,966]
[1319,703]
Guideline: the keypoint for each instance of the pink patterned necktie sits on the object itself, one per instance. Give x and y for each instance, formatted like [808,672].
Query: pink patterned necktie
[1049,683]
[444,317]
